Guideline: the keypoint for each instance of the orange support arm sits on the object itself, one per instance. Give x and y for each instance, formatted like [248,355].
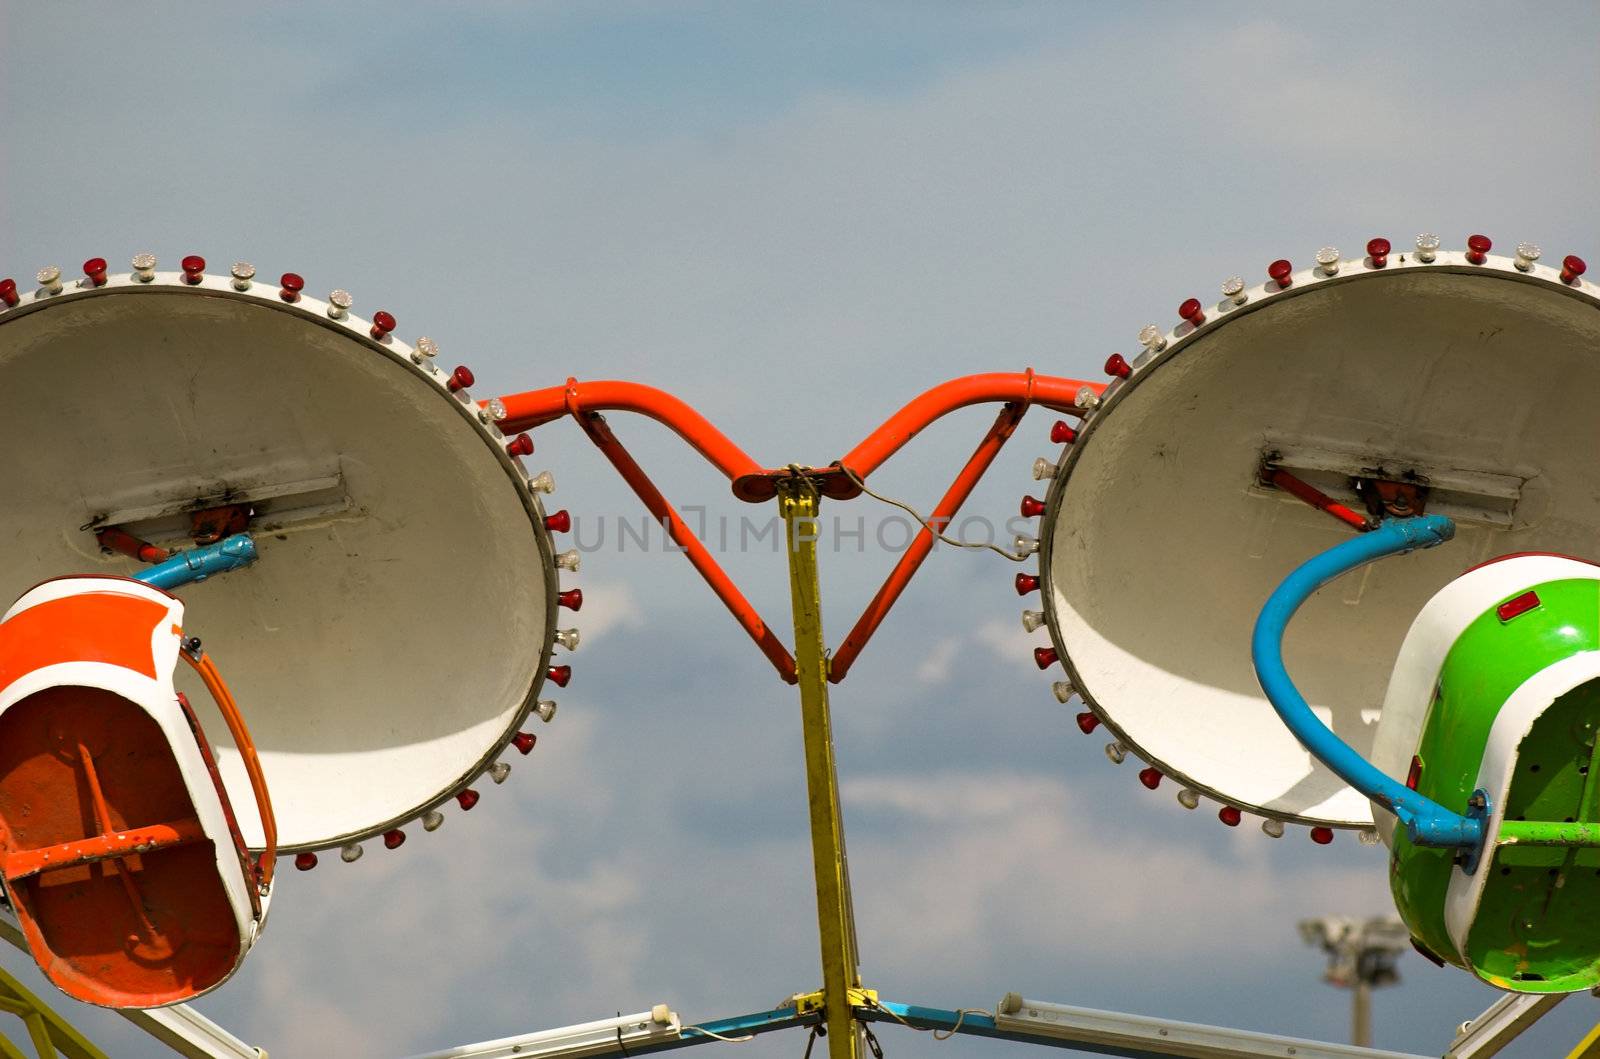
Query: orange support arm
[537,407]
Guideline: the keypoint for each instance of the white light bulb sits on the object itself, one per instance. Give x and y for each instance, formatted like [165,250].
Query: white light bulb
[567,638]
[546,709]
[1116,752]
[144,267]
[242,272]
[1025,545]
[1328,260]
[1032,619]
[1087,399]
[339,302]
[351,852]
[568,560]
[432,820]
[499,771]
[1527,254]
[49,279]
[1151,338]
[1189,799]
[1367,836]
[543,482]
[1272,828]
[1233,290]
[1427,247]
[1042,469]
[1063,690]
[424,352]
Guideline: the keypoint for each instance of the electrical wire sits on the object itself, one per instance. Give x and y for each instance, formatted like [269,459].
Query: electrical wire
[938,1034]
[1016,557]
[747,1038]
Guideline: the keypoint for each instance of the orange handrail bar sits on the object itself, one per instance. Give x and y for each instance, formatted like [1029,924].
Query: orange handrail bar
[229,709]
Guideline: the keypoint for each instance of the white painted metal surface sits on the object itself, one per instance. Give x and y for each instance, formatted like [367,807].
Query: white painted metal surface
[1141,1033]
[1503,1022]
[1159,546]
[605,1037]
[399,624]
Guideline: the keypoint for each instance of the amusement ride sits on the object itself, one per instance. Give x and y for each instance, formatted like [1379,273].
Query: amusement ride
[1320,557]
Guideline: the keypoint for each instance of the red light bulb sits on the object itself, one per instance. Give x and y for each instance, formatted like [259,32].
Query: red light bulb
[8,290]
[290,285]
[95,269]
[193,266]
[467,799]
[1191,311]
[1281,273]
[1026,583]
[560,522]
[382,324]
[1572,267]
[1324,835]
[572,599]
[1229,815]
[1044,657]
[521,445]
[1062,434]
[394,839]
[1087,722]
[1117,366]
[1031,507]
[460,379]
[1478,247]
[305,861]
[561,676]
[1150,777]
[1378,251]
[524,742]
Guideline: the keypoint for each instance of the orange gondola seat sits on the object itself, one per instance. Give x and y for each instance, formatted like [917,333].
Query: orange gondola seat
[119,849]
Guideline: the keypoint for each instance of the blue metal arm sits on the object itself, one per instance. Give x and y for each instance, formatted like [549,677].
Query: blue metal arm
[1427,822]
[198,564]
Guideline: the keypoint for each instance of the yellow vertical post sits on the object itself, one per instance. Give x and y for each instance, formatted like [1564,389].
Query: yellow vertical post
[798,502]
[49,1031]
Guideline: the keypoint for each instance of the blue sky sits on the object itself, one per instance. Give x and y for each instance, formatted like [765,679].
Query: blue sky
[797,217]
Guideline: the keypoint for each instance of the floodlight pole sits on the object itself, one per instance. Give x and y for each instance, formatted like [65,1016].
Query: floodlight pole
[798,503]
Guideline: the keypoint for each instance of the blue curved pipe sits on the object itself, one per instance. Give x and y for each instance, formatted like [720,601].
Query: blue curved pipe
[185,568]
[1427,822]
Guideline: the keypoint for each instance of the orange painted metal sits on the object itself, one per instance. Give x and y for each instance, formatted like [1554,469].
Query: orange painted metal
[119,540]
[1310,494]
[744,612]
[137,929]
[754,483]
[1004,425]
[267,862]
[990,388]
[537,407]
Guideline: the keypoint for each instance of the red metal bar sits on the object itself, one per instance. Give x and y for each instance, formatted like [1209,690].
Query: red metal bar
[1026,387]
[120,540]
[1005,423]
[741,608]
[1315,497]
[537,407]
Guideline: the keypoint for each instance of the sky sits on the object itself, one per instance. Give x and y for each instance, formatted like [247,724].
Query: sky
[797,217]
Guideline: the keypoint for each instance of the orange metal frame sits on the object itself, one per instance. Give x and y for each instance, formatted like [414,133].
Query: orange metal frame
[585,401]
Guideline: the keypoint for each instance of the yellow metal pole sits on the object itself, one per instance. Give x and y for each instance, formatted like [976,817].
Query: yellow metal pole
[1589,1047]
[50,1032]
[799,502]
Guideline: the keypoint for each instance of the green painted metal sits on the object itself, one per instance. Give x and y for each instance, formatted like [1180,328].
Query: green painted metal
[1546,872]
